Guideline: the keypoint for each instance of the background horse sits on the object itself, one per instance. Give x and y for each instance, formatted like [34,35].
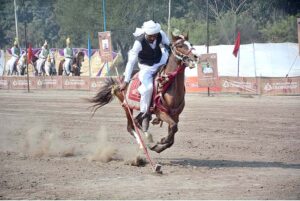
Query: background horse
[50,65]
[33,62]
[169,101]
[17,68]
[21,64]
[76,64]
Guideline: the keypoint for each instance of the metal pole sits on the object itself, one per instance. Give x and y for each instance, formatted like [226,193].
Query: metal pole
[153,10]
[238,73]
[16,19]
[207,27]
[254,60]
[25,29]
[207,39]
[104,29]
[104,15]
[169,17]
[89,53]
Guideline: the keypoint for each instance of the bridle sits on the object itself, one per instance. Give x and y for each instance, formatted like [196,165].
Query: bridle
[184,58]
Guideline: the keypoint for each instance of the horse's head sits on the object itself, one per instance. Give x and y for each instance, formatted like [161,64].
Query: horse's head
[183,50]
[80,56]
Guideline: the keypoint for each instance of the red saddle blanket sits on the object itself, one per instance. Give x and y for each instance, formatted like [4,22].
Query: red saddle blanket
[133,95]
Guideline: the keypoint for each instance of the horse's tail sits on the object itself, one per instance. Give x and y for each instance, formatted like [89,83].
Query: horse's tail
[105,95]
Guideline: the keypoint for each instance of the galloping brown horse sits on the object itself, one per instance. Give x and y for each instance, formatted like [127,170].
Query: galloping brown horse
[76,64]
[169,102]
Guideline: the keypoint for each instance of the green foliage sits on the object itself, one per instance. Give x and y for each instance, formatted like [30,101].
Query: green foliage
[195,29]
[7,24]
[282,30]
[55,20]
[76,19]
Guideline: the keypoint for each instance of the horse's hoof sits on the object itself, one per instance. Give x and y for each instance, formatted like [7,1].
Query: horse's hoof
[149,137]
[158,148]
[151,146]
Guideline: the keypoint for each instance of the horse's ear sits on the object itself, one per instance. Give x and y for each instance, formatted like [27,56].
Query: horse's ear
[175,34]
[174,38]
[187,36]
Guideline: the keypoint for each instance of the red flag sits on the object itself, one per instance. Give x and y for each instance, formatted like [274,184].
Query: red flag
[237,45]
[29,55]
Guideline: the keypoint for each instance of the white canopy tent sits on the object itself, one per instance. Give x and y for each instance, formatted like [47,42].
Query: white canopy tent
[258,59]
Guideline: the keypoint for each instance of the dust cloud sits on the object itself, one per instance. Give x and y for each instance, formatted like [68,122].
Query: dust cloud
[41,142]
[103,150]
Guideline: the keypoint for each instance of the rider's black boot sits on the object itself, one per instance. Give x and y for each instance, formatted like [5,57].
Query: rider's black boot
[145,122]
[139,119]
[142,120]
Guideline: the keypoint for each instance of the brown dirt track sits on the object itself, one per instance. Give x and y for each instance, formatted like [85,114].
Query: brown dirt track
[227,147]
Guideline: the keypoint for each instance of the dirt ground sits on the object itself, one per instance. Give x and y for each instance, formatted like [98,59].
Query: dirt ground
[227,147]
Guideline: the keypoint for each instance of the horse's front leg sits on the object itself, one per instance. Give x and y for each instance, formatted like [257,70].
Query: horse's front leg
[167,141]
[18,69]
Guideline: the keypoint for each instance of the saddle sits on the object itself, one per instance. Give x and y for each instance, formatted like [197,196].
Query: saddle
[133,95]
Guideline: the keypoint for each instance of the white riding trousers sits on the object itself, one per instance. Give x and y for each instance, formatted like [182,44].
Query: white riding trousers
[146,77]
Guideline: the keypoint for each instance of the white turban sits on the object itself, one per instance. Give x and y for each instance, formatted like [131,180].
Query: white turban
[68,41]
[46,43]
[151,27]
[16,41]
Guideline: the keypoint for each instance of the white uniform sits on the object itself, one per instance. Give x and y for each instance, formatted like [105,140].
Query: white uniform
[42,58]
[68,54]
[146,72]
[15,52]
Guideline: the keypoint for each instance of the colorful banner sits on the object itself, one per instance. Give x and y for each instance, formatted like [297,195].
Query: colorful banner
[243,85]
[4,83]
[105,46]
[22,83]
[96,83]
[280,86]
[81,83]
[192,85]
[49,82]
[208,71]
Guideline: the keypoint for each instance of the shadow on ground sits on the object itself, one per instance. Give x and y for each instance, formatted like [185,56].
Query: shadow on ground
[229,163]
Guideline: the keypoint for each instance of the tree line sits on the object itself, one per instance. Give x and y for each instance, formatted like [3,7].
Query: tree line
[55,20]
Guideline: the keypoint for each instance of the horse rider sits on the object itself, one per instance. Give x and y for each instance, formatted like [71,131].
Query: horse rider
[42,58]
[15,53]
[68,54]
[150,56]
